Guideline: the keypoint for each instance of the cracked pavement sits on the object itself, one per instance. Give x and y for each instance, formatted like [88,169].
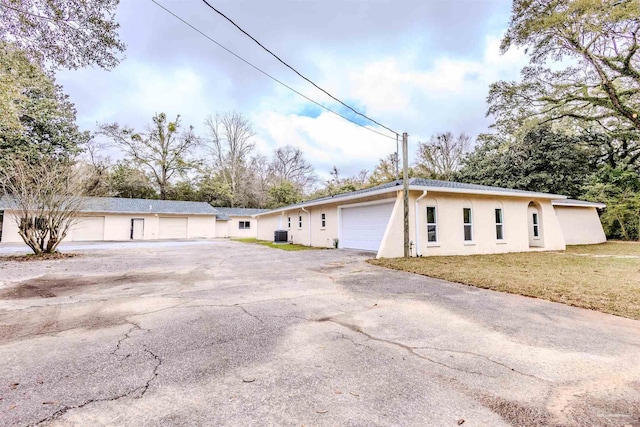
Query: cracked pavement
[225,333]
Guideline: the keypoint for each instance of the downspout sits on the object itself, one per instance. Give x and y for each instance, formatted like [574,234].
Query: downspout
[304,210]
[424,193]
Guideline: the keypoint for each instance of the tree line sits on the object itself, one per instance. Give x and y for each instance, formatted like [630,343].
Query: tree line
[570,125]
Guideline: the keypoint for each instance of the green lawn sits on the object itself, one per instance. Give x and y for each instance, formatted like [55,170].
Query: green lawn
[602,277]
[284,247]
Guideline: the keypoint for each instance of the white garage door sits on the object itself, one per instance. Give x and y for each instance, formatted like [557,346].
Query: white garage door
[88,228]
[173,228]
[363,227]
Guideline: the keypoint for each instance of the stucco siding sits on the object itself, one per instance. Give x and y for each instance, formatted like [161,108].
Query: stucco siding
[580,225]
[450,225]
[222,228]
[233,227]
[117,227]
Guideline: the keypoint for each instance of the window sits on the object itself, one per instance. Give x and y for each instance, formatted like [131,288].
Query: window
[499,224]
[323,218]
[289,222]
[299,221]
[468,225]
[432,226]
[244,225]
[536,226]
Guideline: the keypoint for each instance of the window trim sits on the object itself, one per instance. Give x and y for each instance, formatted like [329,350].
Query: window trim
[323,221]
[467,224]
[501,224]
[299,222]
[536,225]
[244,225]
[435,224]
[289,222]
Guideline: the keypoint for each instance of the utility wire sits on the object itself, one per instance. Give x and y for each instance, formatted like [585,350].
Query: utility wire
[270,76]
[293,69]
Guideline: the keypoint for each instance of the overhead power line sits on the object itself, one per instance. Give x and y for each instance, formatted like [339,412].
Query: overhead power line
[275,79]
[294,70]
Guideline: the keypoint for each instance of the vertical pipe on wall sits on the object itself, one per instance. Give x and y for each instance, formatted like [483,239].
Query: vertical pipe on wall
[304,210]
[417,228]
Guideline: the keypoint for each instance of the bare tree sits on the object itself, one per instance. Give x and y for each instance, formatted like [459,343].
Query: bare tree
[289,164]
[441,157]
[162,151]
[230,145]
[45,197]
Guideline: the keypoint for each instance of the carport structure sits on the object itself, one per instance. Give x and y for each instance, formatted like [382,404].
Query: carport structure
[119,219]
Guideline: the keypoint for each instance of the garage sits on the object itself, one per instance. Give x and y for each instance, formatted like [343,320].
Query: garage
[88,229]
[173,228]
[363,227]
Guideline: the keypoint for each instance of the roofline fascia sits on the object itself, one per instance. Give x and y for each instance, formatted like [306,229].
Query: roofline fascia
[580,205]
[530,195]
[527,195]
[126,213]
[336,199]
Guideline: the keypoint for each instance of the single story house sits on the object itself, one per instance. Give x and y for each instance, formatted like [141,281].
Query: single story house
[445,218]
[237,222]
[116,219]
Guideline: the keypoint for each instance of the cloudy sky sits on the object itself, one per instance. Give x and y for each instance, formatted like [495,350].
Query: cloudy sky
[417,66]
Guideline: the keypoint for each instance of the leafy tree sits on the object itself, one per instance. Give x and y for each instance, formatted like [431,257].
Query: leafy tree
[440,157]
[619,188]
[543,161]
[230,145]
[386,170]
[46,197]
[599,90]
[36,118]
[283,194]
[130,182]
[289,164]
[67,33]
[184,189]
[162,151]
[214,191]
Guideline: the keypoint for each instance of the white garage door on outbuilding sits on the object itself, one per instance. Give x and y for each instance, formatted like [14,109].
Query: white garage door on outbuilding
[173,228]
[88,229]
[363,227]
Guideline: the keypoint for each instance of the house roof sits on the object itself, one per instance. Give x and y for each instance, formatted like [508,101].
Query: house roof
[227,213]
[423,184]
[578,203]
[137,206]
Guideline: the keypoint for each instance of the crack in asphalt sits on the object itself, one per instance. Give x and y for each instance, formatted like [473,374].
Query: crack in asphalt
[409,349]
[155,370]
[142,389]
[126,336]
[471,353]
[247,312]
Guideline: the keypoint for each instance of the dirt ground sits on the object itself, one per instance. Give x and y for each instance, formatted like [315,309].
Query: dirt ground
[226,333]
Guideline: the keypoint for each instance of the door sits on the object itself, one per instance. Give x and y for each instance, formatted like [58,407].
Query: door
[137,228]
[363,227]
[173,228]
[88,229]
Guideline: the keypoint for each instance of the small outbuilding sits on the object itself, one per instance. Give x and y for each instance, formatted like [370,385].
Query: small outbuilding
[445,218]
[117,219]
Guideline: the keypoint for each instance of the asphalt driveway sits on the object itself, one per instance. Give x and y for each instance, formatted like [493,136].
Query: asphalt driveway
[226,333]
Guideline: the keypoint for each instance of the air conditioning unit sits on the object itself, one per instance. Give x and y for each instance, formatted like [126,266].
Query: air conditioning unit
[281,236]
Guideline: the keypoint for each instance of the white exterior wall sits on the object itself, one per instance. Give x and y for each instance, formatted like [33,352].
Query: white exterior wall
[222,228]
[233,227]
[117,227]
[450,225]
[515,219]
[580,225]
